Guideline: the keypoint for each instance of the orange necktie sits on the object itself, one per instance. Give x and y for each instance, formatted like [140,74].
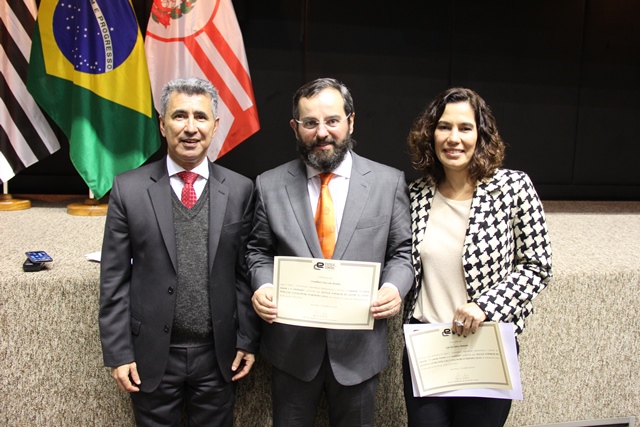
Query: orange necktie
[325,218]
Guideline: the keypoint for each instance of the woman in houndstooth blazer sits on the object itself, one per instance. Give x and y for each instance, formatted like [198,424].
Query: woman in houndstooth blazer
[481,250]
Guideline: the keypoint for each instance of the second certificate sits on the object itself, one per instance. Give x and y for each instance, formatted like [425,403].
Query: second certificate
[325,293]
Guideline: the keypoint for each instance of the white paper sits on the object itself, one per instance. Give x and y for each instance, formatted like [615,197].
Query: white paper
[510,354]
[323,293]
[94,256]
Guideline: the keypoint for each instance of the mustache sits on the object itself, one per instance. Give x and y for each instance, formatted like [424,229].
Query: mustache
[326,141]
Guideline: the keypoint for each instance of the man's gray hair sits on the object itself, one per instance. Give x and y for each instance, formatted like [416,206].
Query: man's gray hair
[189,86]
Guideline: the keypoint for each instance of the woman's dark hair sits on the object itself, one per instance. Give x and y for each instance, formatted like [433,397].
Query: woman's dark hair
[489,151]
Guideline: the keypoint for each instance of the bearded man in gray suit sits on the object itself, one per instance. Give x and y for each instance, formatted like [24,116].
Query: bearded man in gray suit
[372,223]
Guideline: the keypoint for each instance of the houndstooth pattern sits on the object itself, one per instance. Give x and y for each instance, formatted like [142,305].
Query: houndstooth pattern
[507,253]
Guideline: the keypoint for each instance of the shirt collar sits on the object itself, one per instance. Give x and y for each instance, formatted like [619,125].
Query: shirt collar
[343,169]
[202,169]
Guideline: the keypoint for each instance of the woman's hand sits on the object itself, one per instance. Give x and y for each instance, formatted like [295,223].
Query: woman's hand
[467,318]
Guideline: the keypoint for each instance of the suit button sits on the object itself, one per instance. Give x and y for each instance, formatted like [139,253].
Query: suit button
[166,328]
[170,290]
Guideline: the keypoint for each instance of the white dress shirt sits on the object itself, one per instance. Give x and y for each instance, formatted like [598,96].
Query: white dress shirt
[176,182]
[338,187]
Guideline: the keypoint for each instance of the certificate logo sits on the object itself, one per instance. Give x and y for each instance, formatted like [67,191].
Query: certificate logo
[322,265]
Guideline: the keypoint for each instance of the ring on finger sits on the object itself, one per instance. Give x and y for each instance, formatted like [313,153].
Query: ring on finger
[459,323]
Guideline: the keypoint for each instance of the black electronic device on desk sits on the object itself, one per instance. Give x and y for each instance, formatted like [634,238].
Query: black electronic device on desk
[36,260]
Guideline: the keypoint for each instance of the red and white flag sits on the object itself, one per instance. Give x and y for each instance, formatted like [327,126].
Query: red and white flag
[201,38]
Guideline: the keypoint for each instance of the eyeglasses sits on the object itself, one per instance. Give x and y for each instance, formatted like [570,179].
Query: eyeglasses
[331,122]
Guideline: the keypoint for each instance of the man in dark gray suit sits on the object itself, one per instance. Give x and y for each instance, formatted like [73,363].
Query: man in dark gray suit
[373,224]
[176,321]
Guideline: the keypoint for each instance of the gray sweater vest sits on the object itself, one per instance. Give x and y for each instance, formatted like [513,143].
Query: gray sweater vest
[192,325]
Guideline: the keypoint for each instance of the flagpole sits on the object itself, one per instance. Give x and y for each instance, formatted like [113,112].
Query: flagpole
[8,203]
[90,207]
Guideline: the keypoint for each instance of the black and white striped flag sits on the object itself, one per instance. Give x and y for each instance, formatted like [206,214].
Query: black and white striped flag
[25,134]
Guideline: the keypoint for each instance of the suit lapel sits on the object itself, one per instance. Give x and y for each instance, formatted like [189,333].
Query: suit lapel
[218,199]
[298,194]
[160,195]
[359,188]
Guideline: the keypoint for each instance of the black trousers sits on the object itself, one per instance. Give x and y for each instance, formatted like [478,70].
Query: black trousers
[193,380]
[451,411]
[295,402]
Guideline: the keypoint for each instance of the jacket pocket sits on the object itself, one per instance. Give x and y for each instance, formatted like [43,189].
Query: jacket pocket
[234,227]
[373,222]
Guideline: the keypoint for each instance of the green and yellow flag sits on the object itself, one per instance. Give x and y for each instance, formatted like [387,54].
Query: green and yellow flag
[88,71]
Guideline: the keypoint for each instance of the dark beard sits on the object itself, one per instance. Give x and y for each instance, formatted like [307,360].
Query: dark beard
[321,163]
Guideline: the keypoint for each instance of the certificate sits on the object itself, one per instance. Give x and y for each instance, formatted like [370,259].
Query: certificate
[482,364]
[325,293]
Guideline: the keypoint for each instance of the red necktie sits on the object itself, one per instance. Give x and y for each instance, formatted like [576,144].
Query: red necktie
[325,218]
[188,192]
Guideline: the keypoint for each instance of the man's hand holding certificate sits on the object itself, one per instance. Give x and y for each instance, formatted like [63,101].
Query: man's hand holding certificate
[325,293]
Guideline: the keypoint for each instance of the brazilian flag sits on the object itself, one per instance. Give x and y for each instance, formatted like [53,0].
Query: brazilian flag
[88,71]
